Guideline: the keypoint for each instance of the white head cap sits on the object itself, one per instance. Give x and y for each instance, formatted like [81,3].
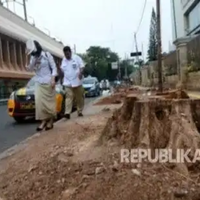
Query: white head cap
[30,47]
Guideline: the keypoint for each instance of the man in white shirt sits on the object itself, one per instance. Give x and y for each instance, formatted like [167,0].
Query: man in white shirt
[72,67]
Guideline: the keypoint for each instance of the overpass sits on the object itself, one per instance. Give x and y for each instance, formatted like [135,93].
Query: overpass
[14,32]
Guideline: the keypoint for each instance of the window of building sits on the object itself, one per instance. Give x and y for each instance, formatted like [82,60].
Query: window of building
[193,18]
[184,2]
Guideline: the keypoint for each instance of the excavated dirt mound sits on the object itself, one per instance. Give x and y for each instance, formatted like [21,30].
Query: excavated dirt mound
[157,124]
[174,94]
[116,98]
[118,95]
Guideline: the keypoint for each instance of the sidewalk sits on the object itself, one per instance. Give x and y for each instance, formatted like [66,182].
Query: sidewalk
[90,109]
[71,147]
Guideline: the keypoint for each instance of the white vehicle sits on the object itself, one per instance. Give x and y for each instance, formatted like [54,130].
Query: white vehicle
[105,85]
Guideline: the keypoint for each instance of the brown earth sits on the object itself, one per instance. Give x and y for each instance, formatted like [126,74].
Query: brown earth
[80,159]
[116,98]
[118,95]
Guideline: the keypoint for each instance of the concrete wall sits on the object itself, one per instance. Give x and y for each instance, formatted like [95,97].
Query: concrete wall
[193,81]
[176,66]
[13,59]
[178,29]
[15,27]
[180,22]
[171,81]
[135,77]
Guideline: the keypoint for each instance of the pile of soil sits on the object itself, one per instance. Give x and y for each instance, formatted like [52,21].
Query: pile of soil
[116,98]
[118,95]
[174,94]
[56,163]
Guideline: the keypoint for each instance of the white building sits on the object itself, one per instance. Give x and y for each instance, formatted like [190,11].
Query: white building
[185,18]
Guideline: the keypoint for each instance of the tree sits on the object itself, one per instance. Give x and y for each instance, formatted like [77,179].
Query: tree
[126,65]
[153,44]
[140,62]
[98,62]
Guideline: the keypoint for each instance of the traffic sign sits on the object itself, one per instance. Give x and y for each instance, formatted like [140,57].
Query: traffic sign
[114,65]
[133,54]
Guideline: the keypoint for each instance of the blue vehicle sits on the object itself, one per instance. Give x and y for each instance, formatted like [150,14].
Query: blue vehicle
[92,87]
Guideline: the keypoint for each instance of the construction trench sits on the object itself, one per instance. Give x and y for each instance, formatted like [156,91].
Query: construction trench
[85,162]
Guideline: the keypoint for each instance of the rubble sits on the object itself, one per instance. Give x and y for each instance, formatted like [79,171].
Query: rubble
[99,170]
[136,172]
[113,99]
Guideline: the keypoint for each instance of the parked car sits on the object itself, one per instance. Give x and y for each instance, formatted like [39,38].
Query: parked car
[91,87]
[116,83]
[21,103]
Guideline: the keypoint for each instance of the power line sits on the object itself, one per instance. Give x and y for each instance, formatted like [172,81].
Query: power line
[145,3]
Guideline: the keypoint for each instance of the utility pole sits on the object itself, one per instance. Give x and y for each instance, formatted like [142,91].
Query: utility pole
[126,74]
[119,68]
[142,52]
[25,10]
[160,82]
[137,57]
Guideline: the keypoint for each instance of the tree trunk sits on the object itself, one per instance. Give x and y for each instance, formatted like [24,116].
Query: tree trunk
[156,124]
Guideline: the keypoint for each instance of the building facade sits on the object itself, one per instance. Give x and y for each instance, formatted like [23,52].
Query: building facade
[14,32]
[185,18]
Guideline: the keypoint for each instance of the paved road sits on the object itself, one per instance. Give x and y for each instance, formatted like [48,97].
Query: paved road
[12,133]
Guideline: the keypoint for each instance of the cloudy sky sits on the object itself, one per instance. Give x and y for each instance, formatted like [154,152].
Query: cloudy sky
[108,23]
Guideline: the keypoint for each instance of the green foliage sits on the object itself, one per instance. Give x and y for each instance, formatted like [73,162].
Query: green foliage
[98,63]
[140,62]
[153,44]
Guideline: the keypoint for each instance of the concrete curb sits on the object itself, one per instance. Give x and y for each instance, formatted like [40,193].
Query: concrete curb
[22,144]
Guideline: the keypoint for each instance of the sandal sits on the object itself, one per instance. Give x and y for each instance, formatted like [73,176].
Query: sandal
[41,128]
